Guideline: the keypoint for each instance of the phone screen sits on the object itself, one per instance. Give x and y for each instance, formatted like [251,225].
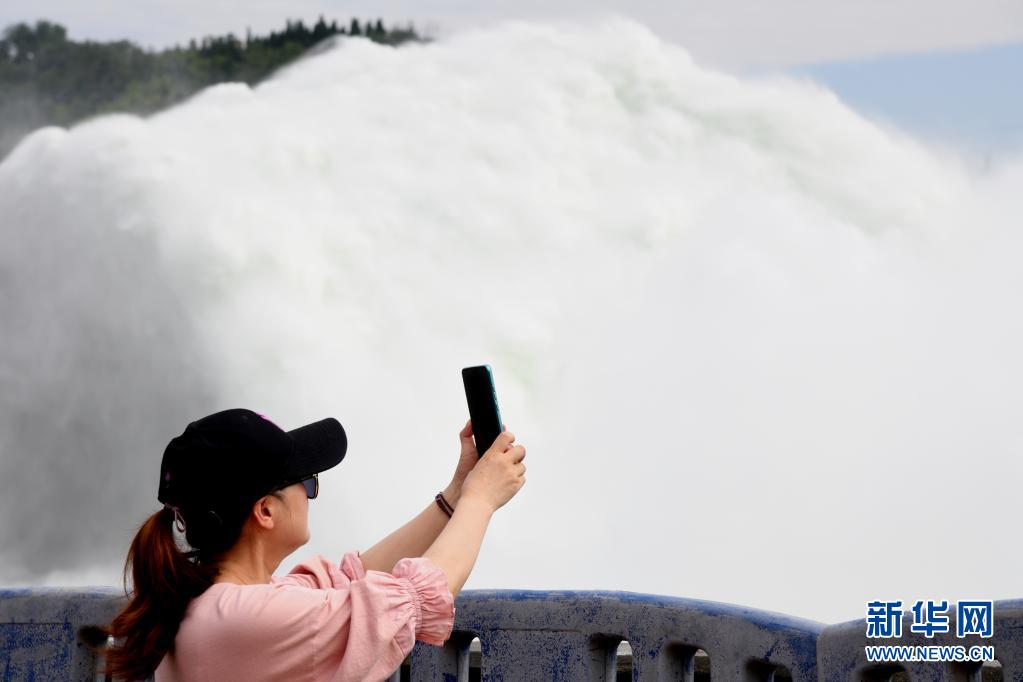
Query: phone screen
[483,410]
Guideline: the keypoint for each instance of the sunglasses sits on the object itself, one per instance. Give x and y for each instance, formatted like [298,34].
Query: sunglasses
[311,484]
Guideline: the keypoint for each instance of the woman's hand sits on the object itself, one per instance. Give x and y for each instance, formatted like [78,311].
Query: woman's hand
[499,474]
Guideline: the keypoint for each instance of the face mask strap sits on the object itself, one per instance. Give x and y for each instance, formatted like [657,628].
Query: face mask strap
[179,520]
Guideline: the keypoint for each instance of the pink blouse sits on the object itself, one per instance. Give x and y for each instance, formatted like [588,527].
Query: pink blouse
[322,621]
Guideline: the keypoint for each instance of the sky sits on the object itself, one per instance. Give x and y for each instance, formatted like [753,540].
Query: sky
[966,99]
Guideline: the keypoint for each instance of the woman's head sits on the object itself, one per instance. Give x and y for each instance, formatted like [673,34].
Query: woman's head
[230,482]
[214,473]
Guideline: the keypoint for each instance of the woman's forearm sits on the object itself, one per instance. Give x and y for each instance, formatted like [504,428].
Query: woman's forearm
[456,548]
[412,539]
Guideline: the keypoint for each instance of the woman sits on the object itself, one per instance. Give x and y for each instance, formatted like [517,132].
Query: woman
[239,486]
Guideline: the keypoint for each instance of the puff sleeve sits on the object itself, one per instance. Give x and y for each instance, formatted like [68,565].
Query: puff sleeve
[370,620]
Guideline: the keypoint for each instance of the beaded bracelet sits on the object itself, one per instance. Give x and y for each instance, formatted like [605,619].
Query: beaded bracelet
[444,505]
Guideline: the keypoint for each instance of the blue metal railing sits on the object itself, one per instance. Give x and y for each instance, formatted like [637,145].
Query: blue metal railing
[559,635]
[570,635]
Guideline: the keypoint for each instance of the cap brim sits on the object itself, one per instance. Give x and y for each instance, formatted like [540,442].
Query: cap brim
[318,447]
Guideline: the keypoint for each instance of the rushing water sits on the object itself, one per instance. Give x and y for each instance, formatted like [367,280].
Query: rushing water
[759,349]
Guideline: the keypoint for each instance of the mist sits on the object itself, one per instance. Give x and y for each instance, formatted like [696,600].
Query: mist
[760,349]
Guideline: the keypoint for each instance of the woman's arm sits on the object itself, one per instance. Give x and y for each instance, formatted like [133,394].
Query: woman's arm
[412,539]
[457,547]
[453,544]
[499,474]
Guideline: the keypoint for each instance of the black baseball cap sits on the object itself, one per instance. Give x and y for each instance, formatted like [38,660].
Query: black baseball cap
[236,456]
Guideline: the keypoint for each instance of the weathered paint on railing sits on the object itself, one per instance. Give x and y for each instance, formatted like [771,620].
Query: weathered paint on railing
[39,631]
[554,635]
[570,635]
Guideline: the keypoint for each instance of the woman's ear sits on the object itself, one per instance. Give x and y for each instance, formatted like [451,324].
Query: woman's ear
[264,511]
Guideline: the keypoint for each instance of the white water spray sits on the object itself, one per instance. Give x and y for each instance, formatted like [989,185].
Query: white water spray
[760,350]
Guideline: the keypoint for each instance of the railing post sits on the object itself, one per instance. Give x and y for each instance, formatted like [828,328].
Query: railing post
[449,662]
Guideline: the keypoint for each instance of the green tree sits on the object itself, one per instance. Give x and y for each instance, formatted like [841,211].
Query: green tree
[46,79]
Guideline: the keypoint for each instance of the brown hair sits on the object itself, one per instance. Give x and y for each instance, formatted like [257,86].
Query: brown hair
[165,579]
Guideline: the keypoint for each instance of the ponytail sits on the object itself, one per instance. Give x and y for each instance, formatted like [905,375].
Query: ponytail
[165,580]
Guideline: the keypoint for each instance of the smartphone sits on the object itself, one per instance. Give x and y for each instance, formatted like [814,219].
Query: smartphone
[483,409]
